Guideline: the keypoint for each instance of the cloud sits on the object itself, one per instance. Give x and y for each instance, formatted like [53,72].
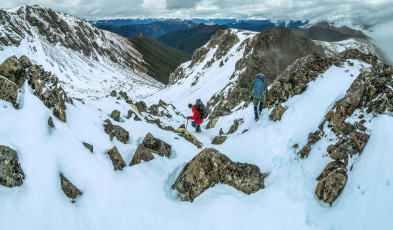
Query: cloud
[383,37]
[370,12]
[181,4]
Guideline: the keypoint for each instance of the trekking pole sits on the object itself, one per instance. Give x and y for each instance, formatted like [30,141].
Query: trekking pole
[186,123]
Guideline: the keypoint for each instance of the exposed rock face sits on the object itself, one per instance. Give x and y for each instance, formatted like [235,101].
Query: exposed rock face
[331,182]
[69,189]
[11,173]
[235,126]
[211,167]
[219,140]
[115,115]
[149,146]
[50,122]
[9,91]
[141,154]
[117,160]
[277,112]
[157,146]
[189,137]
[59,111]
[88,146]
[116,131]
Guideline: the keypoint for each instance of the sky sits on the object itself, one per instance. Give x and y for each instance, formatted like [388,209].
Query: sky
[370,12]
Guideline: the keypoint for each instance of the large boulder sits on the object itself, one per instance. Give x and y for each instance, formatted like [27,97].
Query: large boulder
[149,146]
[117,160]
[218,140]
[13,70]
[277,113]
[116,131]
[115,115]
[141,154]
[9,91]
[210,167]
[157,146]
[189,137]
[331,182]
[69,189]
[11,173]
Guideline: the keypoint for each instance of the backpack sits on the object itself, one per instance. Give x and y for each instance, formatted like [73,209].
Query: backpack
[259,85]
[201,109]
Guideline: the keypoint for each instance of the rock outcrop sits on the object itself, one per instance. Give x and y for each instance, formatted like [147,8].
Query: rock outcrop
[115,115]
[50,123]
[117,160]
[88,146]
[218,140]
[331,182]
[235,126]
[116,131]
[189,137]
[141,154]
[11,173]
[44,84]
[277,112]
[210,167]
[69,189]
[9,91]
[149,146]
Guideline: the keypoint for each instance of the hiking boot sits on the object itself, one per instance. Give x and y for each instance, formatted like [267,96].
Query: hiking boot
[256,117]
[260,111]
[198,130]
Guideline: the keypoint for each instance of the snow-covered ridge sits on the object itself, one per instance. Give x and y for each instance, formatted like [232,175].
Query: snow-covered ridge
[88,61]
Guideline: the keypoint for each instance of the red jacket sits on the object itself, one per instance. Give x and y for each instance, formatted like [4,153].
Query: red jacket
[196,116]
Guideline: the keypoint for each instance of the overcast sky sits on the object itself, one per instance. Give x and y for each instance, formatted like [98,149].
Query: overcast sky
[370,12]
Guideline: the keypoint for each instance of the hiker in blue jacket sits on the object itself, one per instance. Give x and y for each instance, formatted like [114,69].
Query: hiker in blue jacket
[259,93]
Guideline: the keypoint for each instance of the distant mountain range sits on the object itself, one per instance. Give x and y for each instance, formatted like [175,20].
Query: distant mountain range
[153,29]
[160,60]
[189,40]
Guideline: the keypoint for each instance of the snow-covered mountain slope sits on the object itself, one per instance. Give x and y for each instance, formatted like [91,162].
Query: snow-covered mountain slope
[221,72]
[88,62]
[141,197]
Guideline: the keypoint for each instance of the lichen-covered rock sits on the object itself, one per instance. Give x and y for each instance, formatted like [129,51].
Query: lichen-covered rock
[305,151]
[218,140]
[59,111]
[212,123]
[348,146]
[11,173]
[331,182]
[113,93]
[88,146]
[9,91]
[69,189]
[210,167]
[157,146]
[141,154]
[189,137]
[141,105]
[235,126]
[277,112]
[13,70]
[117,160]
[115,115]
[50,122]
[116,131]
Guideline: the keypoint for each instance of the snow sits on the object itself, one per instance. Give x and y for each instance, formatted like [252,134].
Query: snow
[81,76]
[140,196]
[333,48]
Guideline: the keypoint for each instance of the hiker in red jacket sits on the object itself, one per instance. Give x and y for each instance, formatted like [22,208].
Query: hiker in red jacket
[196,117]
